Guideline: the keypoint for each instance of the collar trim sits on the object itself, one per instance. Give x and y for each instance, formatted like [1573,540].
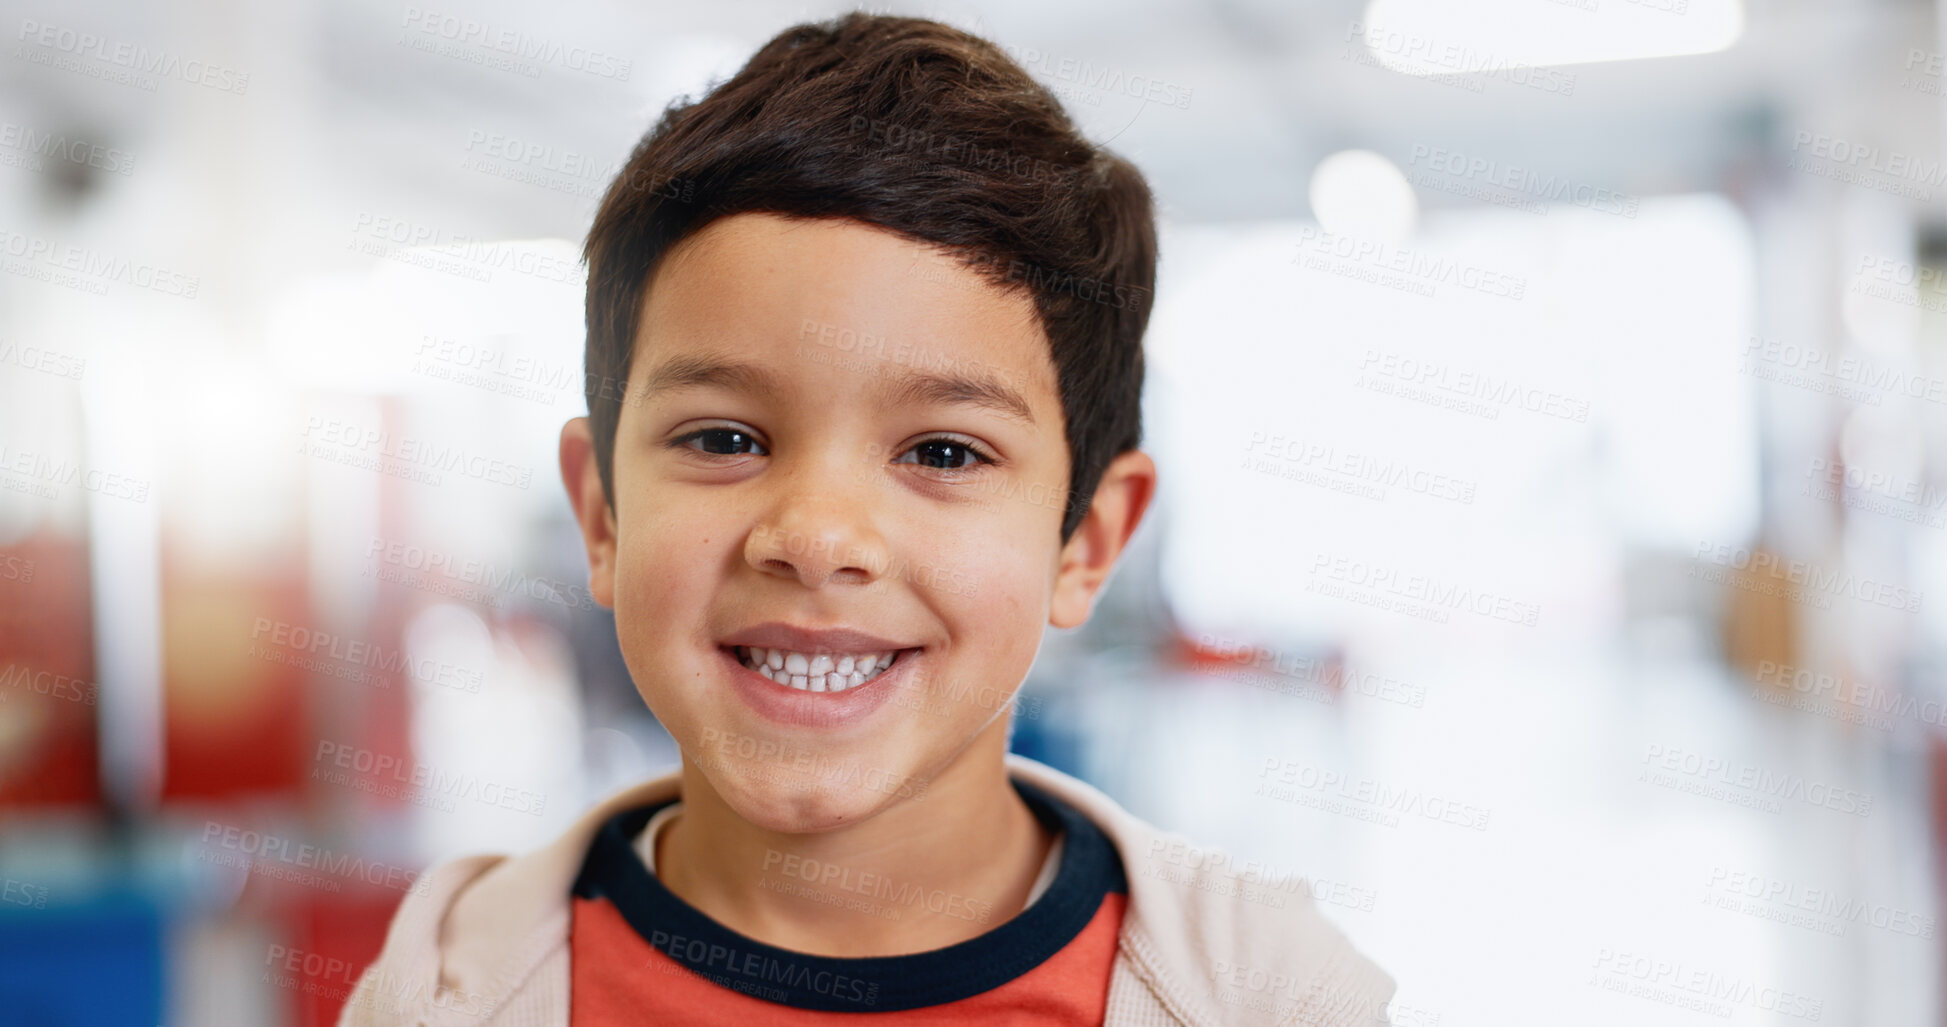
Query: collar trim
[1089,870]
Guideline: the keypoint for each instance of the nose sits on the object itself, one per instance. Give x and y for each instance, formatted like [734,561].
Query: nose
[818,533]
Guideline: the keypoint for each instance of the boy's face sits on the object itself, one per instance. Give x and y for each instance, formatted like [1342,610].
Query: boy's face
[831,428]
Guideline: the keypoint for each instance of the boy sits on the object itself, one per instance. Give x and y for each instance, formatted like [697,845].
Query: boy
[872,310]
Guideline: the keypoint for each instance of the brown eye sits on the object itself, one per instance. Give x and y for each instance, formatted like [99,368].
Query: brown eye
[721,441]
[948,454]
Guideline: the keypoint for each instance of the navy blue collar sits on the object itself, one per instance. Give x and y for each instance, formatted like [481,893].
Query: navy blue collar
[1089,871]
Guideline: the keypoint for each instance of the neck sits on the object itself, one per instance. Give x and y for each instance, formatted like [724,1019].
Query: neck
[917,875]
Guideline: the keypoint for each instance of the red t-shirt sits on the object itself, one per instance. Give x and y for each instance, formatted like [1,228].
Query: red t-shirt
[639,954]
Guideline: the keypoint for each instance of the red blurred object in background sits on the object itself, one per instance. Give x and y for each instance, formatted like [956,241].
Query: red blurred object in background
[49,698]
[235,718]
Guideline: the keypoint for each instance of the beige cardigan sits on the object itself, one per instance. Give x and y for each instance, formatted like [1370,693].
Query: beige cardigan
[485,942]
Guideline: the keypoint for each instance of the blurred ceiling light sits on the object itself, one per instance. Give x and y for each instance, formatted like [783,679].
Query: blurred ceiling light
[1360,193]
[225,431]
[1486,37]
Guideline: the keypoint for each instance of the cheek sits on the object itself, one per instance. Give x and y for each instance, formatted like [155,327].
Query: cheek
[663,577]
[994,595]
[994,566]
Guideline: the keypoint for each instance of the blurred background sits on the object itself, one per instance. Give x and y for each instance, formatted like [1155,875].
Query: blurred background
[1550,563]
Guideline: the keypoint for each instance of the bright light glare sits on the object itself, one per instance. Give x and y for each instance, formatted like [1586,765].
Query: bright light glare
[1360,193]
[1489,37]
[371,330]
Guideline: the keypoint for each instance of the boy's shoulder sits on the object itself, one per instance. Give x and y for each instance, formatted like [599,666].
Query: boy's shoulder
[1204,940]
[1218,941]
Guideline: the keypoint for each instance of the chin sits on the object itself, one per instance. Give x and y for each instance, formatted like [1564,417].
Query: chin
[793,802]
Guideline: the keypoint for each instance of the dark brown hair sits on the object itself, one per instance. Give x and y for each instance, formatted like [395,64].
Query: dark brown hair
[930,132]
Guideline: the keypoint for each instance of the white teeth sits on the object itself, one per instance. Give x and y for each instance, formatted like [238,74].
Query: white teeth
[815,672]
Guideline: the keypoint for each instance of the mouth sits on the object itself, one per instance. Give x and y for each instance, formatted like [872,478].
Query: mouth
[826,672]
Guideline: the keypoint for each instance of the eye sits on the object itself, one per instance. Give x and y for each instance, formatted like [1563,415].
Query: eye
[720,442]
[945,453]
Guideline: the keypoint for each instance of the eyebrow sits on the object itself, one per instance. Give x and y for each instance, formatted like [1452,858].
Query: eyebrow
[914,387]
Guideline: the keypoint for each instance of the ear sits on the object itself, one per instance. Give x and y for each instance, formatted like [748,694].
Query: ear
[1117,508]
[584,481]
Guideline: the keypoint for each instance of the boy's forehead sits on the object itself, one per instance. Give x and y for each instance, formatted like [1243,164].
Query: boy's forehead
[839,293]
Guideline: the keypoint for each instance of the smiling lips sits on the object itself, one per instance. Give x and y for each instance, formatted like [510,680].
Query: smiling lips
[816,672]
[807,659]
